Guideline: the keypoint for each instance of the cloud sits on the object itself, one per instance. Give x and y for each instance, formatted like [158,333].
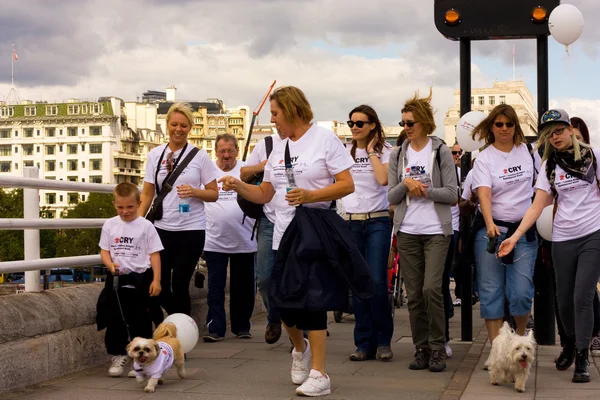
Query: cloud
[233,49]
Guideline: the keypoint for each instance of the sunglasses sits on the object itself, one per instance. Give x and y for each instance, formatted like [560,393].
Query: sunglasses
[501,124]
[557,132]
[455,152]
[359,124]
[410,124]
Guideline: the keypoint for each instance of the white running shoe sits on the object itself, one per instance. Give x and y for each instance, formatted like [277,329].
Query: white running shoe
[301,363]
[131,373]
[486,364]
[448,350]
[118,362]
[316,385]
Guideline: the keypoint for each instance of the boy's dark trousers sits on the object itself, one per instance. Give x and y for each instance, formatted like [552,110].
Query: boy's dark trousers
[134,303]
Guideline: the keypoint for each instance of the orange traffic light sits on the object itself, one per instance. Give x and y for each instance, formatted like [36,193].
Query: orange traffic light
[452,17]
[539,15]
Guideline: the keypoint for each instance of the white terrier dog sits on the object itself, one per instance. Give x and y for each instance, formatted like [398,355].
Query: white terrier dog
[511,357]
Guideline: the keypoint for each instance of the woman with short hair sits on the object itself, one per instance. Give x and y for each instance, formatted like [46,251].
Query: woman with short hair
[422,187]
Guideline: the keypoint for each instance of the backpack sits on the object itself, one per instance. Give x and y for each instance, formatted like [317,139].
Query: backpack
[250,209]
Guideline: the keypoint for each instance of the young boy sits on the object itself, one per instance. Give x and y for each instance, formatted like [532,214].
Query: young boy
[130,249]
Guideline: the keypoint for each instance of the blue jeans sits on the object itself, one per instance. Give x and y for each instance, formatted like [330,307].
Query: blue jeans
[374,325]
[265,259]
[497,281]
[242,291]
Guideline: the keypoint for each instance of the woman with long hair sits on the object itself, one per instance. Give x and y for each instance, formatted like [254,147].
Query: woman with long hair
[569,174]
[423,186]
[367,213]
[503,177]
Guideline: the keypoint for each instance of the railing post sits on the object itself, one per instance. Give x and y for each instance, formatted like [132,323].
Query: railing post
[31,210]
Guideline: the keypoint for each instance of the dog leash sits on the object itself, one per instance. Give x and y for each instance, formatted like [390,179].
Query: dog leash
[116,290]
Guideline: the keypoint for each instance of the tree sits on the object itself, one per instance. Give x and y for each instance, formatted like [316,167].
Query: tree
[79,242]
[11,206]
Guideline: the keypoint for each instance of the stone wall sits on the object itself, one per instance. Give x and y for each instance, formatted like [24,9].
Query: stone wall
[53,333]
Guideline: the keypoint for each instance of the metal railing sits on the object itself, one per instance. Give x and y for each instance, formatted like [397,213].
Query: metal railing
[31,223]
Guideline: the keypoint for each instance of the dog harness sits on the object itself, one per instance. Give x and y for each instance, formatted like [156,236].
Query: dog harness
[156,369]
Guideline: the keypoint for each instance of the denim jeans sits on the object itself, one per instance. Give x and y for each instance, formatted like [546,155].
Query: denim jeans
[498,281]
[265,258]
[374,325]
[242,291]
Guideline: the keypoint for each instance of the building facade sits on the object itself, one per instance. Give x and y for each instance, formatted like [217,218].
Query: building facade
[79,141]
[514,93]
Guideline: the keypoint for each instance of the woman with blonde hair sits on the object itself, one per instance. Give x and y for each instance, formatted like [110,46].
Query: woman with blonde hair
[503,177]
[182,236]
[569,174]
[422,187]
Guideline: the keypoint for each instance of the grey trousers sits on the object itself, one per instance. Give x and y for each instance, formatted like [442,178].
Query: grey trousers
[577,270]
[422,261]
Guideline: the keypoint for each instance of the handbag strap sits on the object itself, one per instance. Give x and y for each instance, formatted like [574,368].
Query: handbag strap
[168,184]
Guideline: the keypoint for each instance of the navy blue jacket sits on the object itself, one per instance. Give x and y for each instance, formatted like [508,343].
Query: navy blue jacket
[318,263]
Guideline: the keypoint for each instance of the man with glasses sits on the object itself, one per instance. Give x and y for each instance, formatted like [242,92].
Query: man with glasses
[457,154]
[228,241]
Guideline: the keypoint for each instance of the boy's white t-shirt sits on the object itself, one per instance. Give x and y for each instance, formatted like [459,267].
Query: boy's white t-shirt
[200,171]
[466,192]
[316,157]
[421,217]
[225,232]
[369,195]
[258,155]
[578,212]
[130,243]
[510,176]
[161,364]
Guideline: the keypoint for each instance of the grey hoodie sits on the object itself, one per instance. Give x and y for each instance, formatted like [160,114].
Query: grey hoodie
[444,190]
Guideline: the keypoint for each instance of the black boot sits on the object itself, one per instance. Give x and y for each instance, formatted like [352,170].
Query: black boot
[581,373]
[566,357]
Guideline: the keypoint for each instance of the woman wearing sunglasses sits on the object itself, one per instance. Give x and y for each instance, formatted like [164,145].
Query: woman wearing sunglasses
[503,177]
[367,213]
[569,174]
[422,186]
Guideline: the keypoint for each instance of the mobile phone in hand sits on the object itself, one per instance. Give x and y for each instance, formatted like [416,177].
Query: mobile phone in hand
[492,244]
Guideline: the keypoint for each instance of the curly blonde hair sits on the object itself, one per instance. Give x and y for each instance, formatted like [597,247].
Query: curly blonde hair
[422,111]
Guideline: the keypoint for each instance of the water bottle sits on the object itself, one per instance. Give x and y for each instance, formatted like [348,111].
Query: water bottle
[289,172]
[184,207]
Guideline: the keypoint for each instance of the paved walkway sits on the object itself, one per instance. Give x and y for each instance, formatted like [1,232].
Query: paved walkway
[251,369]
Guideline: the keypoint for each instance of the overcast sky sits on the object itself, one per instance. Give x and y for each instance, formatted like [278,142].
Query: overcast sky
[340,52]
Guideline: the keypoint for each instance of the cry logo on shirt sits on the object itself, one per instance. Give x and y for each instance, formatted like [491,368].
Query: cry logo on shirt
[292,159]
[124,239]
[512,169]
[417,169]
[565,176]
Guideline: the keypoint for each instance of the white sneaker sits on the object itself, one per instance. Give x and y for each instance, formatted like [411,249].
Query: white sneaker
[315,385]
[448,350]
[118,362]
[131,373]
[301,363]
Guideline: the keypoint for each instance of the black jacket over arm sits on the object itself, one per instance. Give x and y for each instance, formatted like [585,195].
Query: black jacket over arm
[318,263]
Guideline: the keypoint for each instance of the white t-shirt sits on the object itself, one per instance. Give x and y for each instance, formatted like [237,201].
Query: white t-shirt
[130,243]
[159,366]
[316,157]
[466,193]
[510,176]
[421,217]
[200,171]
[369,195]
[455,210]
[578,212]
[258,155]
[225,232]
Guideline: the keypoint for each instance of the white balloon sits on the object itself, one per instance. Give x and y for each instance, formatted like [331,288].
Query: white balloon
[566,24]
[187,330]
[464,129]
[544,223]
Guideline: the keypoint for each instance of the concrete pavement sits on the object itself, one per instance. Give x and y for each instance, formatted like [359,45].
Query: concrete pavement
[251,369]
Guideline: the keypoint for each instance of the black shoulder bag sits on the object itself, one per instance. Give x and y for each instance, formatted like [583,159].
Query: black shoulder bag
[253,210]
[155,212]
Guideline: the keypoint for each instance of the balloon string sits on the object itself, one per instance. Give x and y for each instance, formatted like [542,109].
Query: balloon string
[567,49]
